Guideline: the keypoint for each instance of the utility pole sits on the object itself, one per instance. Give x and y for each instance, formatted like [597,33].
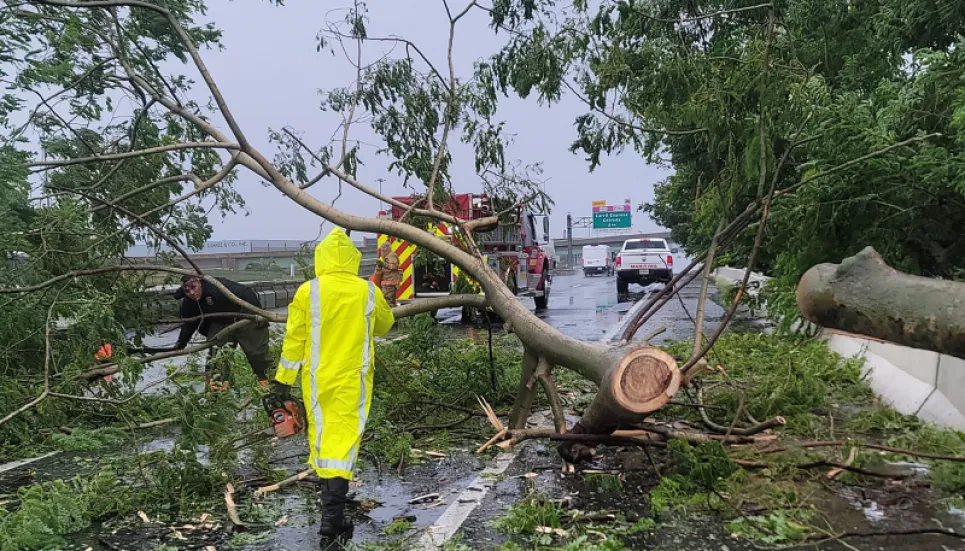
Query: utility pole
[569,240]
[380,180]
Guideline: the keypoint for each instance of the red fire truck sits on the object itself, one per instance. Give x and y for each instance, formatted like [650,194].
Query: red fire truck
[512,248]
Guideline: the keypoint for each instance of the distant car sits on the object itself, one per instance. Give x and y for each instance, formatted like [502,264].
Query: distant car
[596,260]
[643,261]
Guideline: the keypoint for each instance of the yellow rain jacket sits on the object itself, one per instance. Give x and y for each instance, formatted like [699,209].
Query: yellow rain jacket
[332,323]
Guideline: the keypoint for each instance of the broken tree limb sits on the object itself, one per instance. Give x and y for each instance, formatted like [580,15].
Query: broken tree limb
[879,447]
[698,437]
[835,472]
[527,391]
[229,499]
[704,284]
[284,483]
[822,463]
[544,374]
[864,295]
[110,369]
[619,438]
[912,532]
[643,381]
[740,431]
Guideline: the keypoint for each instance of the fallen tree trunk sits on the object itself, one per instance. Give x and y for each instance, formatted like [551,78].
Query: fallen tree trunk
[864,295]
[640,382]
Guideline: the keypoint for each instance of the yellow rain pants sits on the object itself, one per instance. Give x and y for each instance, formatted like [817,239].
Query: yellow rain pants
[332,323]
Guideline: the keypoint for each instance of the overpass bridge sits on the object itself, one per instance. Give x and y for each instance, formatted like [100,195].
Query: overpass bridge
[257,256]
[250,260]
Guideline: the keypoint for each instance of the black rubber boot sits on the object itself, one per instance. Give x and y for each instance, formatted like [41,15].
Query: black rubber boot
[334,528]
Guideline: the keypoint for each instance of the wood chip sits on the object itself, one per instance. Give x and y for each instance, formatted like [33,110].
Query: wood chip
[229,498]
[549,530]
[852,455]
[423,499]
[281,522]
[210,548]
[143,516]
[204,517]
[600,535]
[369,505]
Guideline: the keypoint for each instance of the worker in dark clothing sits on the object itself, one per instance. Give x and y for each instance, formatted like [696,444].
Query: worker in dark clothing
[200,298]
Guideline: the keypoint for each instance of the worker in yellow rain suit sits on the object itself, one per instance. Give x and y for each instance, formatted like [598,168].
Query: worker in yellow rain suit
[332,323]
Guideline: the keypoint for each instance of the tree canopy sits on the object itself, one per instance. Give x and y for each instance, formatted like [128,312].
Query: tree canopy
[737,95]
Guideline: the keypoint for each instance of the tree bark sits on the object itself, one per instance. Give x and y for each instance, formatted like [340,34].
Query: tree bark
[641,382]
[864,295]
[527,391]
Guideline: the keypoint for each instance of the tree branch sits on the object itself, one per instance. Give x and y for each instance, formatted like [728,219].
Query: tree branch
[140,268]
[112,368]
[47,165]
[436,303]
[154,229]
[706,16]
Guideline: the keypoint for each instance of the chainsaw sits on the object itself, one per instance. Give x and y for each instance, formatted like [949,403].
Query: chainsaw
[287,417]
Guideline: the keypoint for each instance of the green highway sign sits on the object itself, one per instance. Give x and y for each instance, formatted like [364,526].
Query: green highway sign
[611,220]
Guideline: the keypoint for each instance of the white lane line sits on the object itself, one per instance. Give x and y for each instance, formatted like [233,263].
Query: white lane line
[619,327]
[446,526]
[17,464]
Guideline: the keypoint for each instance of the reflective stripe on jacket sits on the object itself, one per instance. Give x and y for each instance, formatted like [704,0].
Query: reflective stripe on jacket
[332,323]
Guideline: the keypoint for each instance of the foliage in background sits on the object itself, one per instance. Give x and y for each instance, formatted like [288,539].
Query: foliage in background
[685,84]
[63,103]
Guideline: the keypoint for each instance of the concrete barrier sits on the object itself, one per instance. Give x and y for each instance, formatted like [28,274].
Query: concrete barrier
[912,381]
[916,382]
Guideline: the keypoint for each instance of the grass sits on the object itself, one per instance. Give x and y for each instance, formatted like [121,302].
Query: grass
[524,516]
[425,384]
[397,527]
[603,483]
[823,397]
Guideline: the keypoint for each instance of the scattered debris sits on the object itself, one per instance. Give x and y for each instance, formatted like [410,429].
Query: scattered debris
[424,498]
[555,531]
[229,498]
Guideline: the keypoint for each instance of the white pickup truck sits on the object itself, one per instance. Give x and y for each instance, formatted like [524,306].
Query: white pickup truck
[643,261]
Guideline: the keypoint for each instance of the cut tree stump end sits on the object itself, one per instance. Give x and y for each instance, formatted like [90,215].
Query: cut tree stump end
[645,380]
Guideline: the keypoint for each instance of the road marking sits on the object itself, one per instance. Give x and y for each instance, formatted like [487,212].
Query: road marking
[619,327]
[446,526]
[17,464]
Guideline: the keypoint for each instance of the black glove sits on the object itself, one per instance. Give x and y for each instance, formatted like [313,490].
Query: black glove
[279,391]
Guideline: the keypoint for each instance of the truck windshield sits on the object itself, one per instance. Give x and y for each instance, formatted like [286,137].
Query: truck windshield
[634,245]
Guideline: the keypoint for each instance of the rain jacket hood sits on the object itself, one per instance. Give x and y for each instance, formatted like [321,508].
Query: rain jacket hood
[337,253]
[329,347]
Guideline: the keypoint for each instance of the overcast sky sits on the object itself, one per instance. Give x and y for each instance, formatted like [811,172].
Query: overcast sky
[270,73]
